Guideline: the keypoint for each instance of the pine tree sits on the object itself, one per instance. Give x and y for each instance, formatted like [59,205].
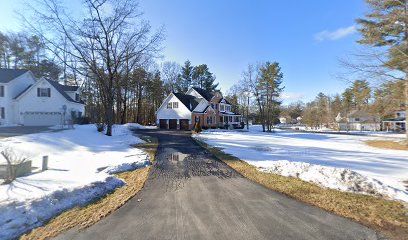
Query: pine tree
[361,93]
[186,76]
[203,78]
[386,26]
[270,88]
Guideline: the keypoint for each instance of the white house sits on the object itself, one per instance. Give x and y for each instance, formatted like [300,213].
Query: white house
[25,100]
[184,110]
[359,120]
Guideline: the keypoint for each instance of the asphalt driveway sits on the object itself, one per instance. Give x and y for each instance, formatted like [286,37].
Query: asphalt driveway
[191,195]
[21,130]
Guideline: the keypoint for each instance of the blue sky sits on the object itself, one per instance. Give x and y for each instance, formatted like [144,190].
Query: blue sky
[306,37]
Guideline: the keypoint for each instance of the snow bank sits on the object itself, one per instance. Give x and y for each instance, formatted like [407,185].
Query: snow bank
[338,161]
[81,161]
[335,178]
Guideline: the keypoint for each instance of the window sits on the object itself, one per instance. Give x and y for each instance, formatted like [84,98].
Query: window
[2,113]
[209,120]
[175,104]
[1,91]
[357,119]
[228,108]
[230,119]
[221,107]
[221,119]
[43,92]
[169,105]
[77,97]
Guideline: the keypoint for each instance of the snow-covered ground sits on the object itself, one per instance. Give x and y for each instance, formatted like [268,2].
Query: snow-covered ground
[342,162]
[300,127]
[81,162]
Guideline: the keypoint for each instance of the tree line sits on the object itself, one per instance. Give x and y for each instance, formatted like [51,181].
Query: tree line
[326,110]
[109,50]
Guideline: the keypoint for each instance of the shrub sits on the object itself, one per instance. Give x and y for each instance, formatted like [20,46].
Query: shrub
[100,127]
[82,120]
[197,128]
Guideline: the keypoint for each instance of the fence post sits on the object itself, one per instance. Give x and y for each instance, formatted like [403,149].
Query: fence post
[44,163]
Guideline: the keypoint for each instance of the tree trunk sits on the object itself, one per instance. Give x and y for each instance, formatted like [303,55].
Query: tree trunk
[109,118]
[406,108]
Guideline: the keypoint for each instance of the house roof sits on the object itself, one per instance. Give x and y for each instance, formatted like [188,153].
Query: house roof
[401,119]
[25,90]
[7,75]
[226,101]
[204,93]
[189,101]
[61,89]
[69,88]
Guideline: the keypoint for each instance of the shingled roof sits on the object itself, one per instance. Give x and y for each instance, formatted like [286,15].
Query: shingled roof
[189,101]
[7,75]
[61,89]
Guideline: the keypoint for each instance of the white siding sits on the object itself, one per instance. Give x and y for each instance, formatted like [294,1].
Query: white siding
[30,102]
[182,112]
[11,90]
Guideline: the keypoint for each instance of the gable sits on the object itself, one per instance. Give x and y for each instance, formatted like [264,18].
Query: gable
[200,93]
[201,107]
[181,112]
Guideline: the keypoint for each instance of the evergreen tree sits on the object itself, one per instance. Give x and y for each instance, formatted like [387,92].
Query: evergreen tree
[361,93]
[186,76]
[269,85]
[203,78]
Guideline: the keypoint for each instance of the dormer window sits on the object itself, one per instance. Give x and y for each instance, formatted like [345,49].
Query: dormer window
[222,107]
[43,92]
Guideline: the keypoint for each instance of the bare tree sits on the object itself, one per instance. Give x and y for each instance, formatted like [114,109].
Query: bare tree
[170,73]
[109,36]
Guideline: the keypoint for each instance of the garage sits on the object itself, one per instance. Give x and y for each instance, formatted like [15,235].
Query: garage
[42,118]
[163,123]
[184,124]
[172,123]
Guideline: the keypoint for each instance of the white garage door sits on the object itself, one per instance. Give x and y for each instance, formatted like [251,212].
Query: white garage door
[42,118]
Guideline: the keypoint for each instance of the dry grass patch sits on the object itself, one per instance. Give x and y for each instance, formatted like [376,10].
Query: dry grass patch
[83,217]
[389,217]
[387,144]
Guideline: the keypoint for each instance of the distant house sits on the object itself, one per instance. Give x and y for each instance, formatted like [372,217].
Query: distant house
[282,120]
[397,123]
[359,120]
[184,110]
[25,100]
